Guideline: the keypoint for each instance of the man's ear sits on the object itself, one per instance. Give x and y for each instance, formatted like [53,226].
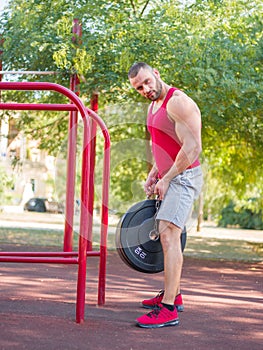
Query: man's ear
[156,72]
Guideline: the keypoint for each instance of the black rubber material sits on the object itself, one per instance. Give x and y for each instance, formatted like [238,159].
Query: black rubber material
[133,243]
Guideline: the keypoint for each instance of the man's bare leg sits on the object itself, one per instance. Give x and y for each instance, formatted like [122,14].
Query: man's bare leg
[173,260]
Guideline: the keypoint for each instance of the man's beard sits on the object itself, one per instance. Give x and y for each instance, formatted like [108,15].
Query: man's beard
[157,91]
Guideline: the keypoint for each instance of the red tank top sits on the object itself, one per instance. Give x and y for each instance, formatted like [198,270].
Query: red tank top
[165,143]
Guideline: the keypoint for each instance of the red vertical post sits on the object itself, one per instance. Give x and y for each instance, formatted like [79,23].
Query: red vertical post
[72,149]
[84,224]
[93,126]
[104,226]
[84,219]
[77,31]
[71,172]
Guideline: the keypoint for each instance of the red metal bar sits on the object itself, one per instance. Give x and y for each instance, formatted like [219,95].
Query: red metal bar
[84,225]
[48,254]
[77,29]
[54,107]
[31,86]
[37,107]
[39,260]
[82,254]
[71,171]
[105,209]
[104,227]
[93,127]
[72,150]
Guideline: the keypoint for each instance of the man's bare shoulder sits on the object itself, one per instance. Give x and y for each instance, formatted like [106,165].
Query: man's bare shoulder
[180,104]
[179,95]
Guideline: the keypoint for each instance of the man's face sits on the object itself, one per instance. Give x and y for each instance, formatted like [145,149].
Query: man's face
[147,83]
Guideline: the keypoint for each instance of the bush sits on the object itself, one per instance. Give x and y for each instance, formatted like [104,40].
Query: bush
[244,218]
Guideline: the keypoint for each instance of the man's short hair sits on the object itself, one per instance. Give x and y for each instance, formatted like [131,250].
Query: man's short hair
[134,70]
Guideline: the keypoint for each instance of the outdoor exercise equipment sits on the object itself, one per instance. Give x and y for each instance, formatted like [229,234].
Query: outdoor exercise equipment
[90,122]
[137,239]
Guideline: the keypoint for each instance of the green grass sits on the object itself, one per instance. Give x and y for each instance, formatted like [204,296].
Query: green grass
[224,249]
[198,247]
[44,238]
[35,237]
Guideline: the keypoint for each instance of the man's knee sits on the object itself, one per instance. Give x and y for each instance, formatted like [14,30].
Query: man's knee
[169,234]
[166,227]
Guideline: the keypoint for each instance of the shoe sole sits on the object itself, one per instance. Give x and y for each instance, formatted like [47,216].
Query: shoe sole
[179,308]
[166,324]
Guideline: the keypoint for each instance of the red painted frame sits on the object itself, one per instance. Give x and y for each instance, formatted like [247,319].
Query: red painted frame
[86,215]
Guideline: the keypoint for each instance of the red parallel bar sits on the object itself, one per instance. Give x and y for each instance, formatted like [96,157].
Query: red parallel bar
[55,107]
[85,113]
[37,107]
[40,260]
[32,86]
[47,254]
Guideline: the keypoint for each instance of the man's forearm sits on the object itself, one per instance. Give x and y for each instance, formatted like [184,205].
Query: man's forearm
[182,162]
[153,172]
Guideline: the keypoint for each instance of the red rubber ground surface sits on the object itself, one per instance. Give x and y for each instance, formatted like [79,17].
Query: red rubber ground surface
[223,307]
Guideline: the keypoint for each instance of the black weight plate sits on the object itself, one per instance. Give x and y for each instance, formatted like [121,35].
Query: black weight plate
[127,227]
[133,244]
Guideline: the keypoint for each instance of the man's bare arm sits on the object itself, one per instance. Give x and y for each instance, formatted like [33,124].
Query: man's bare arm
[187,117]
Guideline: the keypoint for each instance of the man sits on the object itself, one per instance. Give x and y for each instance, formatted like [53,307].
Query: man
[174,122]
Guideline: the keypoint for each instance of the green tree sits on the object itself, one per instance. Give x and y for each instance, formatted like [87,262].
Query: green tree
[210,49]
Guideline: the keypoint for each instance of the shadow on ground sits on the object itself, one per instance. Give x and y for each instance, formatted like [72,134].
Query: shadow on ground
[223,307]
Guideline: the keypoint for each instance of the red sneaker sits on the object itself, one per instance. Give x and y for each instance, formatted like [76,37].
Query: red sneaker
[151,303]
[159,317]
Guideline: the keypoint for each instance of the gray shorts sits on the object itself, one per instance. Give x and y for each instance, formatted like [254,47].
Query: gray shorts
[178,201]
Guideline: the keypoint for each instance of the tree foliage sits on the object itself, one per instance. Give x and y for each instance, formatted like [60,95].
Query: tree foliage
[210,49]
